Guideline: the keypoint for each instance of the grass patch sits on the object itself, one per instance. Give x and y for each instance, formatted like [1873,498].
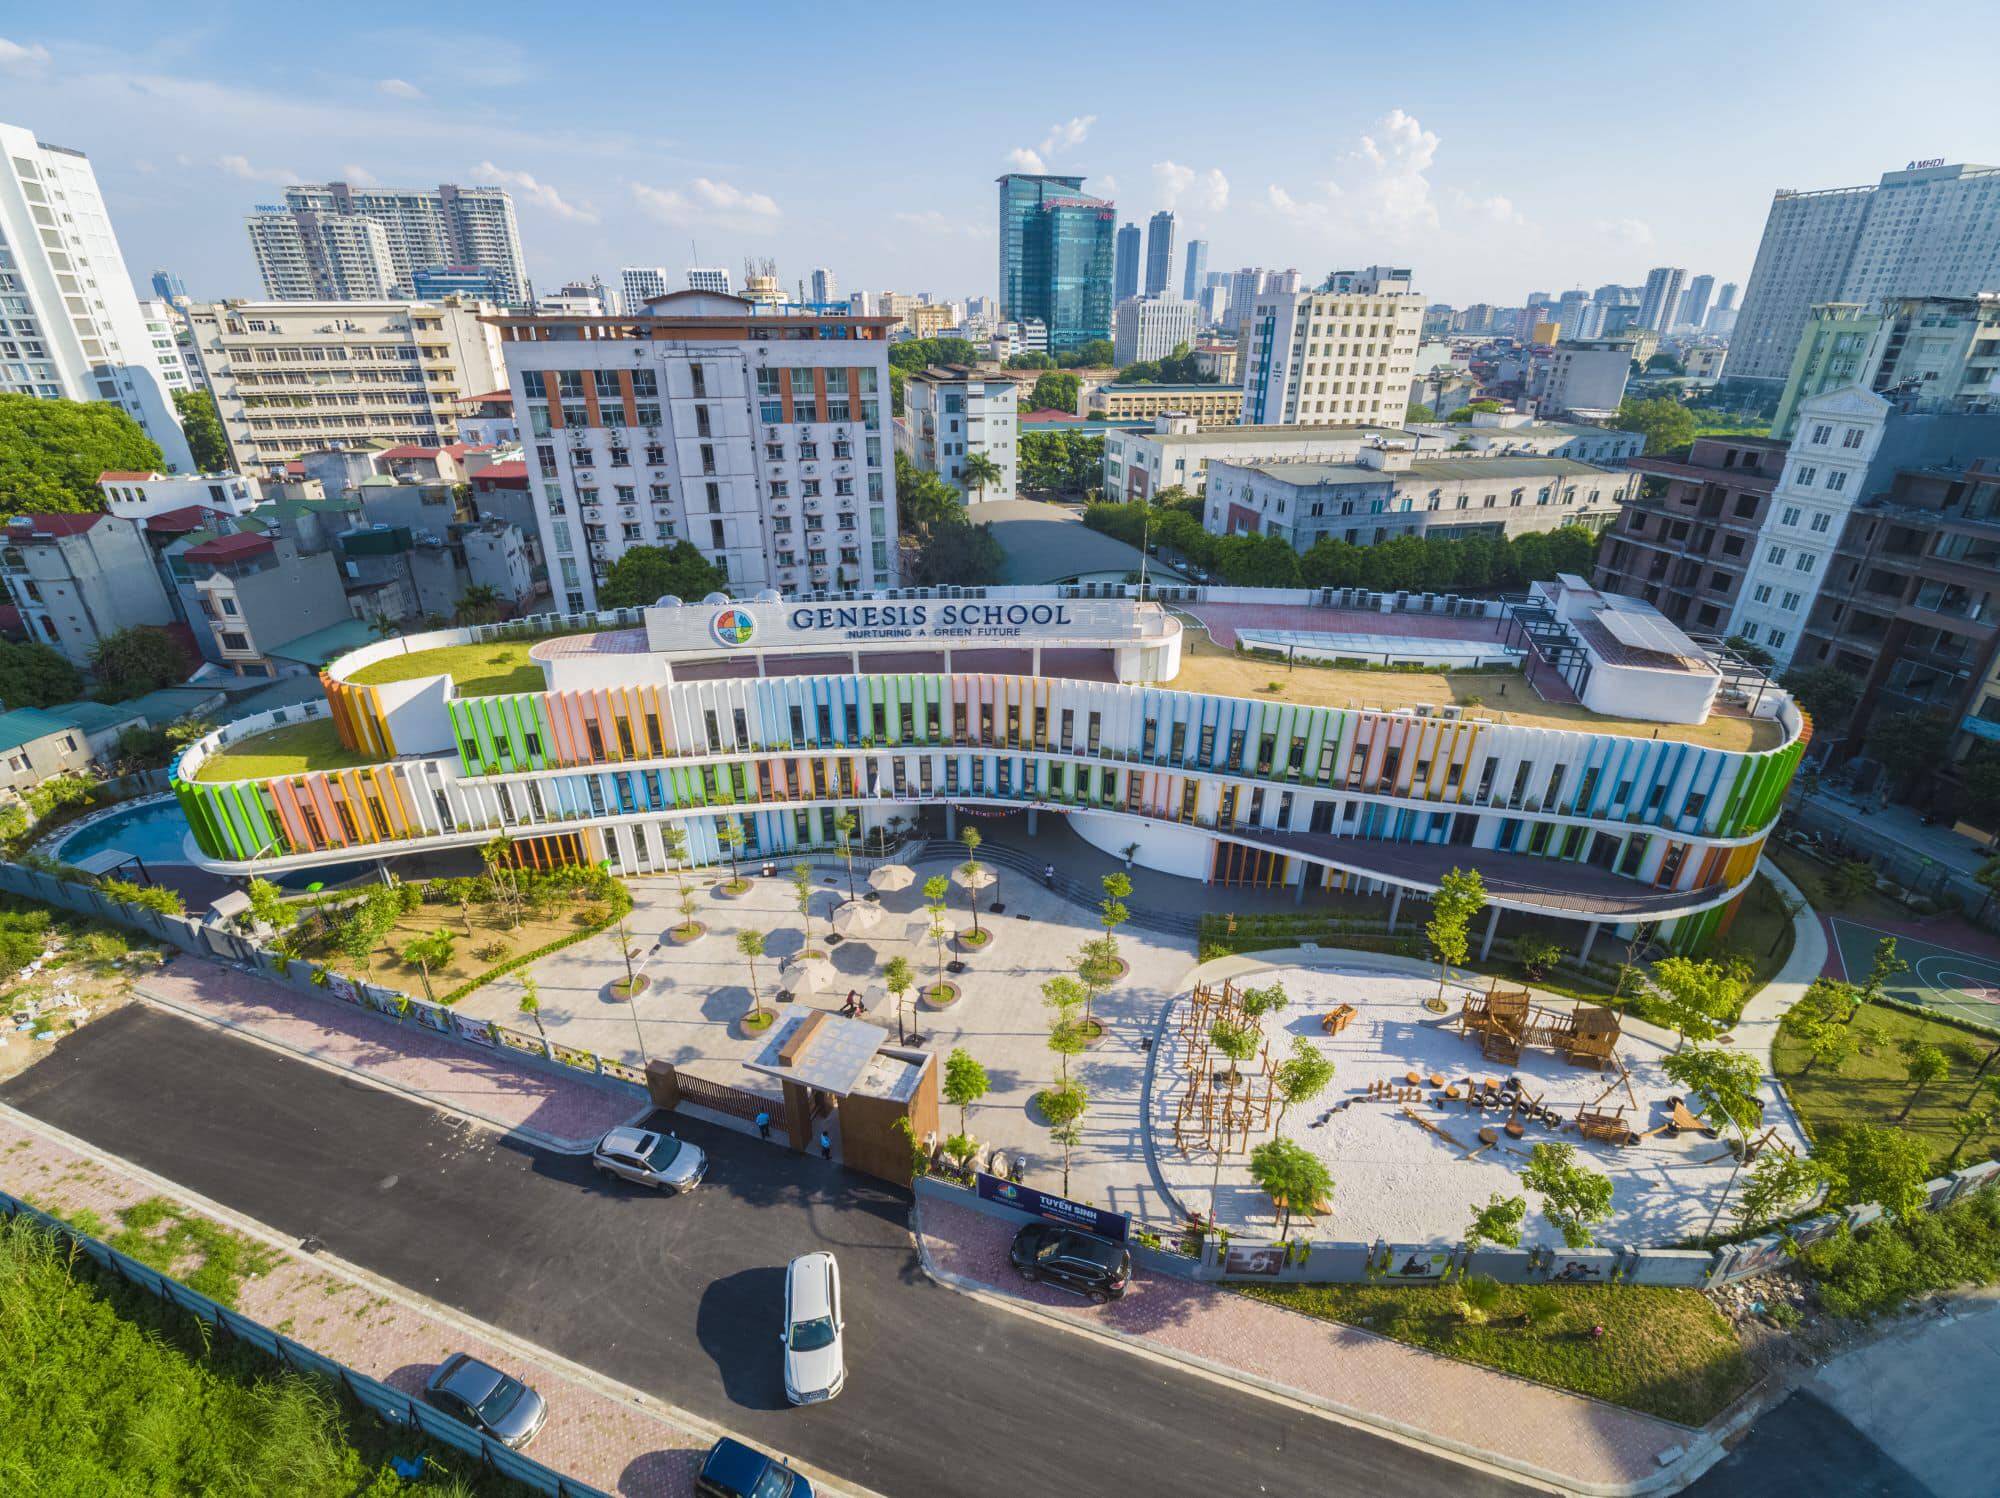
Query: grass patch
[200,1254]
[490,943]
[1665,1352]
[491,669]
[1872,1085]
[288,750]
[1806,871]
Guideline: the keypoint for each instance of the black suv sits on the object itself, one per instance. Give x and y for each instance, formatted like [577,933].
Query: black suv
[1092,1267]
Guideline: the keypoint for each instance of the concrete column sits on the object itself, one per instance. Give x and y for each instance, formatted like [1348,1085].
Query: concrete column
[1395,906]
[950,820]
[947,660]
[1589,941]
[1031,821]
[855,656]
[1299,893]
[1492,924]
[1035,668]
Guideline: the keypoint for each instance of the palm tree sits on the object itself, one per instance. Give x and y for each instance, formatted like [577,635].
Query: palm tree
[751,944]
[382,626]
[478,604]
[979,470]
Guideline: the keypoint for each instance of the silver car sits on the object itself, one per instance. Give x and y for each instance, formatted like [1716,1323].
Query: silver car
[665,1162]
[484,1397]
[815,1357]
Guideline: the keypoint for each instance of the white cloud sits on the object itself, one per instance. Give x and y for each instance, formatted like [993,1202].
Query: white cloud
[241,166]
[359,176]
[1026,160]
[1073,133]
[931,221]
[542,194]
[1105,186]
[707,201]
[20,59]
[723,197]
[1175,184]
[1626,233]
[396,88]
[1497,211]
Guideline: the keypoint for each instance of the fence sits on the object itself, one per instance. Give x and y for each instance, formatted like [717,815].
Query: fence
[1914,871]
[389,1404]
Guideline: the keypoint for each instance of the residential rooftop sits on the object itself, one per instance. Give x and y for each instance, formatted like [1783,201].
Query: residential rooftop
[1445,470]
[1273,435]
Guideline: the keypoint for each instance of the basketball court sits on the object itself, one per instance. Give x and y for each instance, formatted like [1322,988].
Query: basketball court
[1960,984]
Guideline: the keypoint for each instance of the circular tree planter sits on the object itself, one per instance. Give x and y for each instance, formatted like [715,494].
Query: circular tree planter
[810,954]
[940,995]
[624,992]
[970,941]
[1094,1032]
[687,933]
[756,1022]
[1111,973]
[732,889]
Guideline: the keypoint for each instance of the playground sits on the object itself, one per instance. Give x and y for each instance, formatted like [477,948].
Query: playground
[1428,1113]
[1956,983]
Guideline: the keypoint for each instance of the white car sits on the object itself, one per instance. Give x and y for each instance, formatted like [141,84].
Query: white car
[815,1360]
[666,1162]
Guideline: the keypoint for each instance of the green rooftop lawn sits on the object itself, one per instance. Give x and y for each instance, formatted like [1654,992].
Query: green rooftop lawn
[487,670]
[290,750]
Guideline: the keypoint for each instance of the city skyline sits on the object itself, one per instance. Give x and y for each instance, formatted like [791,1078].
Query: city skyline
[1402,168]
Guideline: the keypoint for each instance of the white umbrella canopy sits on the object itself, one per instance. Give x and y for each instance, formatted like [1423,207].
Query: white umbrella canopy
[967,877]
[852,917]
[892,876]
[813,975]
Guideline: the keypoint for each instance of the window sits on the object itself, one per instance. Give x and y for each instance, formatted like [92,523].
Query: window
[1791,515]
[1777,639]
[1790,604]
[1762,593]
[1776,556]
[1805,561]
[1821,522]
[1822,433]
[1851,437]
[1837,480]
[1806,475]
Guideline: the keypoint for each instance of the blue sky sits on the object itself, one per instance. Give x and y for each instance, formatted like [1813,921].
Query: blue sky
[1497,150]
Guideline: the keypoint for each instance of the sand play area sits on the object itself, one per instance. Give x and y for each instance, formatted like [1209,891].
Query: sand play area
[1400,1182]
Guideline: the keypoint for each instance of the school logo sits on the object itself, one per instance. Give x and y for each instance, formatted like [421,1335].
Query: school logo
[734,626]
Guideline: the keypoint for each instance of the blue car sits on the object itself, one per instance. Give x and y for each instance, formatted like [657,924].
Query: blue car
[734,1470]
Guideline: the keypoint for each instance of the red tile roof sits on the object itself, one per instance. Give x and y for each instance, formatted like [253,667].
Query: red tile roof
[1049,413]
[115,476]
[412,450]
[490,398]
[180,522]
[52,524]
[296,466]
[229,548]
[509,475]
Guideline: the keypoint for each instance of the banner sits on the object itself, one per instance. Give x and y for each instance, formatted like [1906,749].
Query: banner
[1112,1225]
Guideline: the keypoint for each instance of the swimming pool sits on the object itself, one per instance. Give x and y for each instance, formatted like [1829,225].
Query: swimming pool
[153,831]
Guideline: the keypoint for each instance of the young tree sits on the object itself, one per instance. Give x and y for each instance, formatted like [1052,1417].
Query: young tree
[1926,1065]
[531,1005]
[802,890]
[898,979]
[1779,1182]
[1726,1081]
[972,868]
[1292,1176]
[690,906]
[1237,1041]
[463,891]
[1301,1076]
[1889,1167]
[1064,1108]
[1112,912]
[498,854]
[1700,997]
[939,932]
[1968,1126]
[426,952]
[268,907]
[750,942]
[1499,1221]
[1067,1035]
[673,835]
[843,829]
[1886,965]
[1097,965]
[1260,1002]
[628,951]
[732,837]
[964,1083]
[1574,1197]
[1461,895]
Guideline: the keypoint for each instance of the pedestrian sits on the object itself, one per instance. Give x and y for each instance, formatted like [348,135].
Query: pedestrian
[825,1145]
[1049,875]
[763,1123]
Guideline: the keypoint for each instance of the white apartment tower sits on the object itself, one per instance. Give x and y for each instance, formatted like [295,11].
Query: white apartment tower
[759,435]
[1928,230]
[1152,328]
[1661,298]
[641,283]
[70,323]
[421,227]
[1332,358]
[321,257]
[951,412]
[710,278]
[825,285]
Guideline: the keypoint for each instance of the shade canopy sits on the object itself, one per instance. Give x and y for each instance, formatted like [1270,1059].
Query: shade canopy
[812,975]
[892,876]
[852,917]
[972,876]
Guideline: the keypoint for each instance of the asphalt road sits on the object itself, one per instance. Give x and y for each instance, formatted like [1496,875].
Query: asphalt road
[1807,1449]
[681,1297]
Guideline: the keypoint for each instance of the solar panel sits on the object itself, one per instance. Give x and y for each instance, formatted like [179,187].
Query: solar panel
[1647,632]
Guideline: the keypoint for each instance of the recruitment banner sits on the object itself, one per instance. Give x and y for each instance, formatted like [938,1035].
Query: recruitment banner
[1112,1225]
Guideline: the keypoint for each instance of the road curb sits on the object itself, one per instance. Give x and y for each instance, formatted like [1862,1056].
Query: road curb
[549,1142]
[1703,1450]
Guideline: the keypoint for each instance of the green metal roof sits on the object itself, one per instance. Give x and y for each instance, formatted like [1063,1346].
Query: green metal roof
[26,724]
[319,646]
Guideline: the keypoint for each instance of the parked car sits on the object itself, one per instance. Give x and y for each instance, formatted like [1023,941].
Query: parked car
[487,1399]
[1093,1267]
[666,1162]
[733,1470]
[815,1352]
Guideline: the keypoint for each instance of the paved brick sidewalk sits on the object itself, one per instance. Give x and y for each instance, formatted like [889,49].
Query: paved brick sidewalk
[608,1442]
[1577,1442]
[516,1098]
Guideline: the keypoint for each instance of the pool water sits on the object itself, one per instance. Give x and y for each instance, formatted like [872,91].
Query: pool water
[153,831]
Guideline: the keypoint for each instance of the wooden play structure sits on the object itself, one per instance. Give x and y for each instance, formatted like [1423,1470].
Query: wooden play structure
[1212,1113]
[1337,1018]
[1507,1020]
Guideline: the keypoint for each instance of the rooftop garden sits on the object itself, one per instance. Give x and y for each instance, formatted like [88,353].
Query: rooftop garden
[291,749]
[490,669]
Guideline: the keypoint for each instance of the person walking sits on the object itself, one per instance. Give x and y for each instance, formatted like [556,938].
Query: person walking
[763,1123]
[825,1145]
[1049,875]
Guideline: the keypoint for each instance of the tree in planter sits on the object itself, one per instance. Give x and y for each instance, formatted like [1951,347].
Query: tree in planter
[965,1083]
[1779,1183]
[426,952]
[501,868]
[1699,997]
[1237,1040]
[750,942]
[802,891]
[1726,1081]
[1889,1167]
[1112,912]
[972,869]
[1064,1108]
[1291,1174]
[939,933]
[267,905]
[843,830]
[732,837]
[1097,965]
[1300,1077]
[531,1005]
[1461,895]
[690,907]
[1574,1197]
[674,837]
[628,952]
[898,979]
[1926,1065]
[1535,954]
[1067,1033]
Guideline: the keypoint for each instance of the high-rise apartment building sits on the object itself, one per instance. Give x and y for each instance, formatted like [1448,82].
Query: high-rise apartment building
[1661,298]
[444,225]
[323,257]
[1698,292]
[71,327]
[825,286]
[955,411]
[169,287]
[1725,299]
[1159,253]
[710,278]
[759,435]
[1152,328]
[1924,353]
[1125,276]
[479,283]
[297,377]
[1929,230]
[1196,275]
[1332,358]
[641,283]
[1056,258]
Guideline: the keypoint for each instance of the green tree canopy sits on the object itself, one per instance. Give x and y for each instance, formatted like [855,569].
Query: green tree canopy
[33,675]
[1292,1174]
[51,452]
[917,354]
[1419,412]
[1911,745]
[1060,464]
[1096,354]
[1178,368]
[646,573]
[1030,361]
[1871,1163]
[1827,693]
[1665,424]
[132,662]
[1055,391]
[1574,1197]
[203,430]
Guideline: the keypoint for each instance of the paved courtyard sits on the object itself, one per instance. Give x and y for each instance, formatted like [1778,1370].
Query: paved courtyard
[1396,1180]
